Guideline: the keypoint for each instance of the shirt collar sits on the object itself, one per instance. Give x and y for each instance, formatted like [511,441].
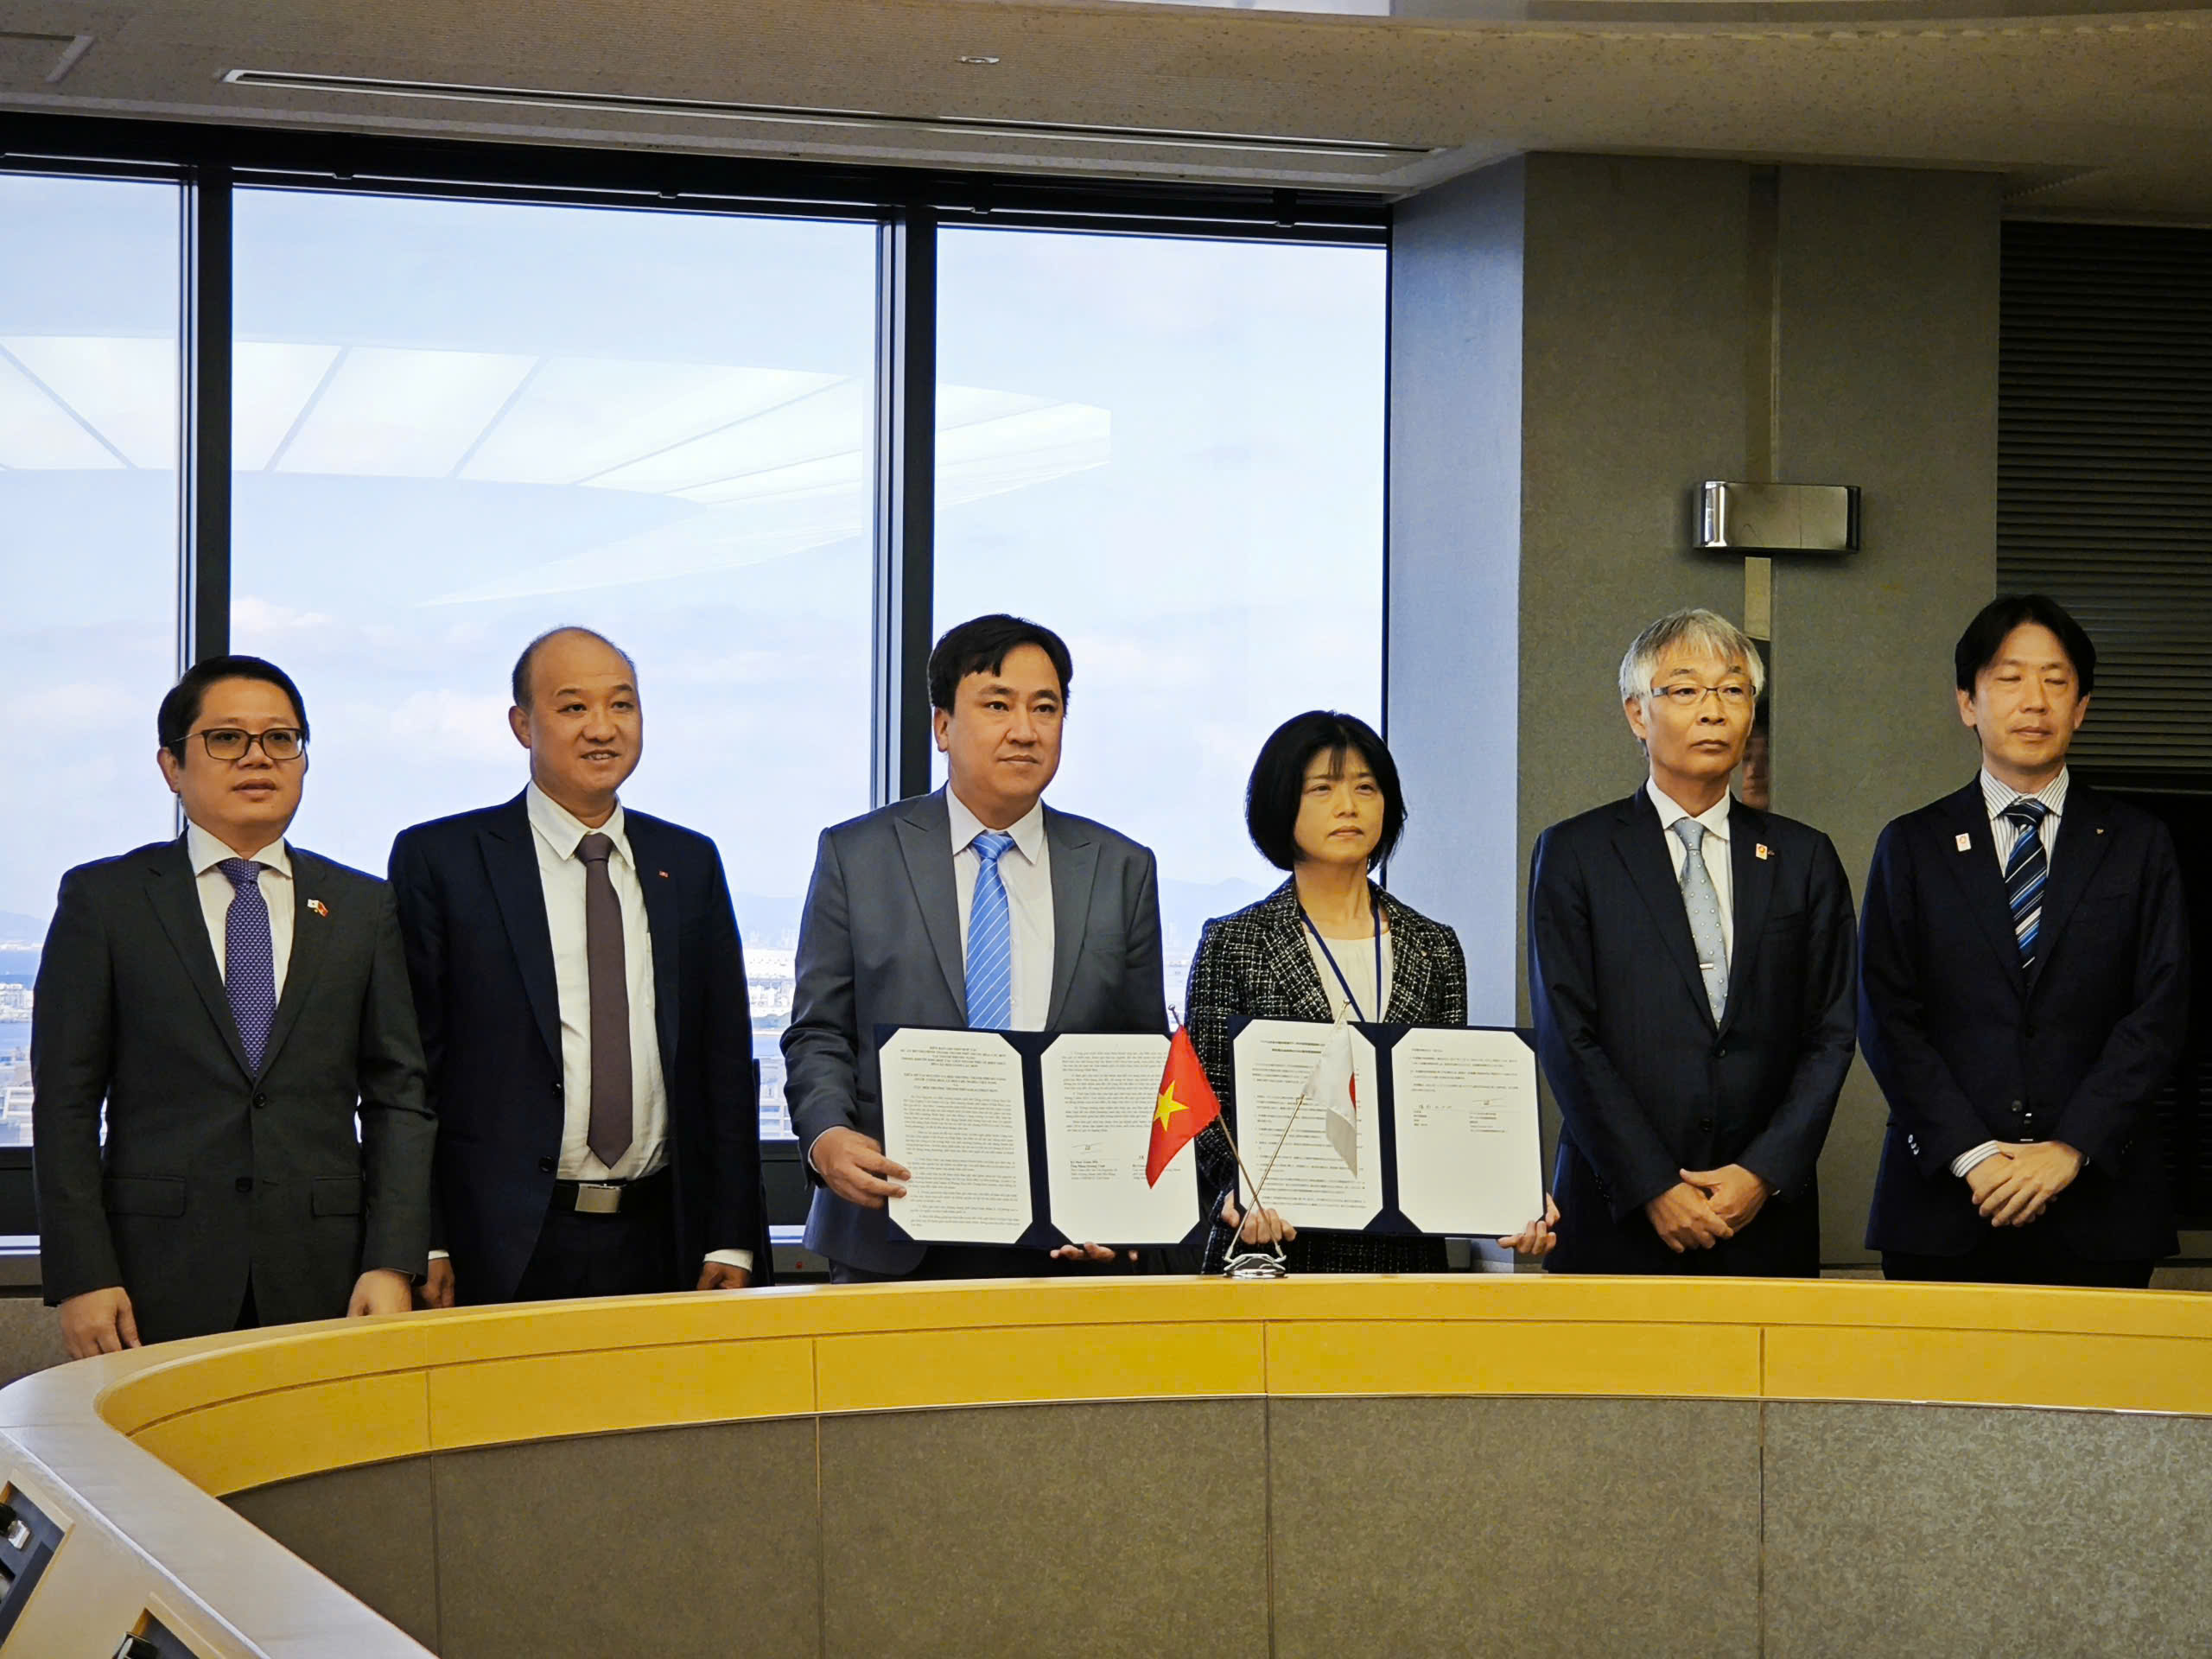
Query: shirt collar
[1997,796]
[206,852]
[1714,817]
[563,829]
[1028,830]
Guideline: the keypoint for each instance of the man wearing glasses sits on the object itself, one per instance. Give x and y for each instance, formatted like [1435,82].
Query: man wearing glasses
[235,1002]
[1690,964]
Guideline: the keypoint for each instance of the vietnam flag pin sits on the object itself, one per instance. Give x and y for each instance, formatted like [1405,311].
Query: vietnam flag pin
[316,906]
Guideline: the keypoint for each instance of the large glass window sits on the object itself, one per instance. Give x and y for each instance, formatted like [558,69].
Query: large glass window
[88,550]
[460,424]
[1171,452]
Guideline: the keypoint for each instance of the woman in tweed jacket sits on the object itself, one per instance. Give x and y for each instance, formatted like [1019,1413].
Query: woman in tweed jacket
[1323,804]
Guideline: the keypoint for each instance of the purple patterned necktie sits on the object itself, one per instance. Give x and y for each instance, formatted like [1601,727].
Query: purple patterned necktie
[249,959]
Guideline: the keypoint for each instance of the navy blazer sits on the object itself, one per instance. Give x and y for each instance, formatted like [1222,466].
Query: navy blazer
[880,945]
[1647,1082]
[1968,1048]
[480,953]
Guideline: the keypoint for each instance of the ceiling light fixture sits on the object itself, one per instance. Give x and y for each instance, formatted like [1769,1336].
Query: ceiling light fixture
[1343,149]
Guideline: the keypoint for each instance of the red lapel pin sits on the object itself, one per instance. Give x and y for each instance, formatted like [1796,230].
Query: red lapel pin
[316,906]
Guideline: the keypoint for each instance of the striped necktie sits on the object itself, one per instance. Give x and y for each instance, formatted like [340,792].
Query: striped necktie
[991,939]
[2025,873]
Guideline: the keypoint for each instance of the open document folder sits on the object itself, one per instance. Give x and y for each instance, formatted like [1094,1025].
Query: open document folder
[1445,1131]
[1027,1138]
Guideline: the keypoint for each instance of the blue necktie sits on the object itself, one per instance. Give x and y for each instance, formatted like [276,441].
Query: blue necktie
[2024,872]
[991,939]
[1703,905]
[249,959]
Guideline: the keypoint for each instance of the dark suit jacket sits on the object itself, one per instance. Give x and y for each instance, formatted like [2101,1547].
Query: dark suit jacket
[1257,964]
[879,944]
[1969,1049]
[480,952]
[213,1174]
[1646,1083]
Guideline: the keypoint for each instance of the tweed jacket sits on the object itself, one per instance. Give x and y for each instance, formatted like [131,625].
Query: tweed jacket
[1256,963]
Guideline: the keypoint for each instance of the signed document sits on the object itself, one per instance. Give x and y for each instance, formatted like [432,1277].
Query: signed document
[1285,1140]
[1470,1154]
[952,1115]
[1100,1094]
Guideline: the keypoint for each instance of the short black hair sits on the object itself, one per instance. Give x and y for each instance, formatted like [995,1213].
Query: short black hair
[180,708]
[980,645]
[1278,785]
[519,683]
[1985,635]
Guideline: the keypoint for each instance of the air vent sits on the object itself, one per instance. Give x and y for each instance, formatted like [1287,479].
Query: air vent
[28,60]
[1376,156]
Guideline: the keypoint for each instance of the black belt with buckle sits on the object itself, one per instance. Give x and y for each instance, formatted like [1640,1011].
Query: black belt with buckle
[610,1198]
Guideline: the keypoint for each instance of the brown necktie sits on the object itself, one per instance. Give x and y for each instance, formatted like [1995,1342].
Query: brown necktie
[608,1133]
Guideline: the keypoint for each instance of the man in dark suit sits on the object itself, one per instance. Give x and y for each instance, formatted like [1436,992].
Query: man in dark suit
[582,993]
[976,905]
[234,1002]
[1690,966]
[2024,992]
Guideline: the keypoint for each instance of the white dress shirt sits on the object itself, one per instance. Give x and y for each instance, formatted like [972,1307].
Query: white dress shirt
[2004,835]
[1356,958]
[1025,871]
[557,833]
[216,893]
[1714,847]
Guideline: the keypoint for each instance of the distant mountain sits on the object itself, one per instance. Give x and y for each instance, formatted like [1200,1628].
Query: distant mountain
[18,928]
[772,923]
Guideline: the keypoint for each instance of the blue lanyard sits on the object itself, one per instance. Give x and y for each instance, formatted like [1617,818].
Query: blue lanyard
[1330,957]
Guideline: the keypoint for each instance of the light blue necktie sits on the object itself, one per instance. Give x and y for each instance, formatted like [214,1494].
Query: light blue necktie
[1703,905]
[991,939]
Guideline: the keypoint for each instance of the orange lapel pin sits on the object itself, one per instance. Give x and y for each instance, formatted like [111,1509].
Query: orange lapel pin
[316,906]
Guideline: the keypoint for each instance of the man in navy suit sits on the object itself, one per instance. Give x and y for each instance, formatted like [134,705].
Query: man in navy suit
[1690,967]
[2024,992]
[582,993]
[976,905]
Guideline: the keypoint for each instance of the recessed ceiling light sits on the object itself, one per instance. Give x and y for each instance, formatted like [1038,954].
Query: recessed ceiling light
[975,57]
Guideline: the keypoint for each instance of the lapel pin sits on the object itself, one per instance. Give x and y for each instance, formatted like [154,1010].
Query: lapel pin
[316,906]
[1760,851]
[2100,830]
[1965,843]
[663,876]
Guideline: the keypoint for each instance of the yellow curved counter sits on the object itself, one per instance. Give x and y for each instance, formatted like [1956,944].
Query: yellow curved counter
[1471,1463]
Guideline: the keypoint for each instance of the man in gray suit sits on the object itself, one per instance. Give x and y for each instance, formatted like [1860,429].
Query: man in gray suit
[977,906]
[234,1002]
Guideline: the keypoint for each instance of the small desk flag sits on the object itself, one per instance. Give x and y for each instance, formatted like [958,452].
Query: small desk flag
[1187,1105]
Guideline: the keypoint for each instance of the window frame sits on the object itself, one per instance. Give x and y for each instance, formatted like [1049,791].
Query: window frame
[210,164]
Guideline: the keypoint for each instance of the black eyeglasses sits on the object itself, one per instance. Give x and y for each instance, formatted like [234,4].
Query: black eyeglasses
[278,743]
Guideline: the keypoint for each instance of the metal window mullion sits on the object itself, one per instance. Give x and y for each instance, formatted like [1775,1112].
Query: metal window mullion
[906,500]
[204,418]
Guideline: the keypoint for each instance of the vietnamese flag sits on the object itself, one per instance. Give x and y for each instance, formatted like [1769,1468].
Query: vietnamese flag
[1187,1105]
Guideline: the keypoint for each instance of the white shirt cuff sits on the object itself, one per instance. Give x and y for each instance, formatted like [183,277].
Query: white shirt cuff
[1967,1160]
[441,1255]
[742,1259]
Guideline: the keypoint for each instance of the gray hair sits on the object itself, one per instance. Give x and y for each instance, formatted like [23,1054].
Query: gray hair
[1706,633]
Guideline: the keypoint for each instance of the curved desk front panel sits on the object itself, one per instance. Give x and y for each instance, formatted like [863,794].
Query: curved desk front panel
[1326,1466]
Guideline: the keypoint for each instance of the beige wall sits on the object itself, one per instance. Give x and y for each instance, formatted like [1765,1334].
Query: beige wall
[1649,311]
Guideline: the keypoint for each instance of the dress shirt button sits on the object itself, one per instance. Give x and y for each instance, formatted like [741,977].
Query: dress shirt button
[244,1184]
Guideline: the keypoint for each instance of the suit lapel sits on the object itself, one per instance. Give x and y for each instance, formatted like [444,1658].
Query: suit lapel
[1290,959]
[310,943]
[1970,854]
[175,899]
[1075,873]
[2081,847]
[511,861]
[1752,879]
[664,923]
[925,842]
[1642,847]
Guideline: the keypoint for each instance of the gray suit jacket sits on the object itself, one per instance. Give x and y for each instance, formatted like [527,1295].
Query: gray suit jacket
[879,944]
[210,1172]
